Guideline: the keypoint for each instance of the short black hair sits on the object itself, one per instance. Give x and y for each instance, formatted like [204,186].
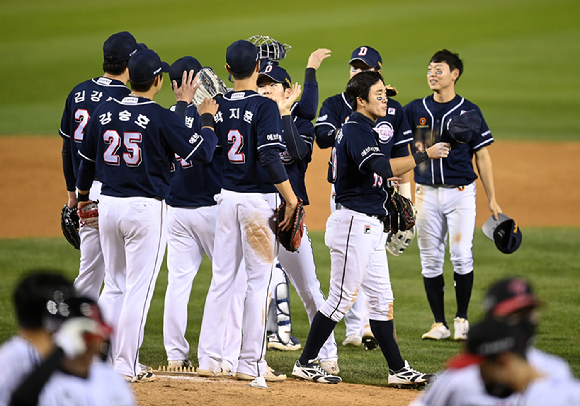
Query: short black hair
[32,294]
[450,58]
[142,86]
[114,68]
[360,85]
[244,75]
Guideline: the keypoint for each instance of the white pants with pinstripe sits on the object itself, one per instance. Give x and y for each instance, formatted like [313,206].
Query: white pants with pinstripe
[133,239]
[358,258]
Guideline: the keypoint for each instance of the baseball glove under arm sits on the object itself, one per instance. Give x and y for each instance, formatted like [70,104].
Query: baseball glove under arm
[402,212]
[291,238]
[211,86]
[69,222]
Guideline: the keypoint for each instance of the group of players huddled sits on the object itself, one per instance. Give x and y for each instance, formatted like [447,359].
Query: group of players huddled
[206,178]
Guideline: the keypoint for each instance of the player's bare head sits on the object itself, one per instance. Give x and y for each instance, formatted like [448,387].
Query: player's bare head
[242,59]
[451,59]
[359,86]
[145,70]
[363,59]
[117,50]
[185,64]
[37,296]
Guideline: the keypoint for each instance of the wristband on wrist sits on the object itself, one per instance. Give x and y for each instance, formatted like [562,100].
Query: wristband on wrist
[206,120]
[83,197]
[420,157]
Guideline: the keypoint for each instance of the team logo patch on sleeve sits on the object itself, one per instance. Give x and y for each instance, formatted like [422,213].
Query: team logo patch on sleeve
[385,131]
[367,229]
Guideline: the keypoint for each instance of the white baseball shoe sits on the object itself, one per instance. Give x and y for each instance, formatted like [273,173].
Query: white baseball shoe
[270,376]
[461,327]
[185,363]
[369,340]
[352,339]
[274,343]
[142,377]
[330,367]
[438,332]
[407,376]
[313,372]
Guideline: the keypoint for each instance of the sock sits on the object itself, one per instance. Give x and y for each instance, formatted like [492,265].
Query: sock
[384,332]
[320,330]
[463,288]
[435,289]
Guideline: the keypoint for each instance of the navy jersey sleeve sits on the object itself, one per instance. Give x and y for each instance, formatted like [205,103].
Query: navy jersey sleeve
[361,148]
[268,120]
[331,117]
[187,143]
[306,107]
[484,137]
[66,119]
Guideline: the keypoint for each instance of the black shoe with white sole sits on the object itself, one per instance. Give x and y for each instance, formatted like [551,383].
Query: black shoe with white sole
[313,372]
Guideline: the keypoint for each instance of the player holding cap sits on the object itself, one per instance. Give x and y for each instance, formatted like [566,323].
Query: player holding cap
[249,130]
[355,232]
[394,136]
[130,144]
[80,105]
[445,191]
[511,301]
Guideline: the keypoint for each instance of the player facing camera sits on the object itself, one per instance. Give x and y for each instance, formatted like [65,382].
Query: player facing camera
[367,94]
[274,82]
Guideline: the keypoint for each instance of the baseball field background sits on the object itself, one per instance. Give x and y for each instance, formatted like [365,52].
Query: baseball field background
[521,58]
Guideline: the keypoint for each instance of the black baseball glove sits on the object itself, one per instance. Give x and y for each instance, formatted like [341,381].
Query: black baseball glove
[291,239]
[402,213]
[69,222]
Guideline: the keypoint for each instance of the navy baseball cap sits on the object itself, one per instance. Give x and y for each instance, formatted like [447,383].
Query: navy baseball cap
[242,56]
[181,65]
[368,55]
[146,65]
[491,337]
[276,73]
[504,231]
[120,47]
[465,127]
[509,295]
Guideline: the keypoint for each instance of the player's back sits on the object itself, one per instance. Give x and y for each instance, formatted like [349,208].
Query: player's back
[246,124]
[80,105]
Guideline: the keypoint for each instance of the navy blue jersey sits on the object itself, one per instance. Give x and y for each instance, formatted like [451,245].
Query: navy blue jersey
[428,119]
[308,104]
[356,187]
[245,124]
[133,142]
[393,129]
[296,169]
[80,105]
[194,184]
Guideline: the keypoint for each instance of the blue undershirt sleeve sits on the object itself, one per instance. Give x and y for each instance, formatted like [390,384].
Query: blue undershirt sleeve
[270,160]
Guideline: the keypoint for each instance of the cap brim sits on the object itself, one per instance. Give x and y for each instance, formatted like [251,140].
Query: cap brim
[366,62]
[262,74]
[464,359]
[491,224]
[514,304]
[164,67]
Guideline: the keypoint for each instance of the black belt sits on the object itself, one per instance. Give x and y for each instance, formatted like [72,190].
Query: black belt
[381,218]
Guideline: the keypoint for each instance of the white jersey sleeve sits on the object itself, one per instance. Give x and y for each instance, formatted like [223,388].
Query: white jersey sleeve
[21,357]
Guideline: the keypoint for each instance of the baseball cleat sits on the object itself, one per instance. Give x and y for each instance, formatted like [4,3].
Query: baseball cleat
[369,341]
[461,327]
[145,368]
[330,367]
[408,377]
[313,372]
[180,364]
[205,373]
[270,376]
[274,343]
[144,376]
[438,332]
[352,339]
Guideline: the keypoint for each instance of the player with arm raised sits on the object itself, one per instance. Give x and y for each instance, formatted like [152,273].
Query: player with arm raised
[394,138]
[355,233]
[249,130]
[445,192]
[130,145]
[80,105]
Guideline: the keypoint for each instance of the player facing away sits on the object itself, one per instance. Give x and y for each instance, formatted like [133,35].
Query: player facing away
[80,105]
[512,301]
[394,138]
[445,192]
[355,232]
[249,130]
[129,145]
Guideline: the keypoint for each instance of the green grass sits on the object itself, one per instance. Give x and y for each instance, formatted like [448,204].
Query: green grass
[521,56]
[548,257]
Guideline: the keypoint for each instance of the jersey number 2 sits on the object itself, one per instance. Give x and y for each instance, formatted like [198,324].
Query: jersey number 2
[237,141]
[131,142]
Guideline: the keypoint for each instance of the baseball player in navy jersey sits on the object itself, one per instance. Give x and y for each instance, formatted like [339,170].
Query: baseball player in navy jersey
[249,130]
[394,136]
[33,342]
[130,144]
[445,192]
[80,105]
[355,232]
[510,300]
